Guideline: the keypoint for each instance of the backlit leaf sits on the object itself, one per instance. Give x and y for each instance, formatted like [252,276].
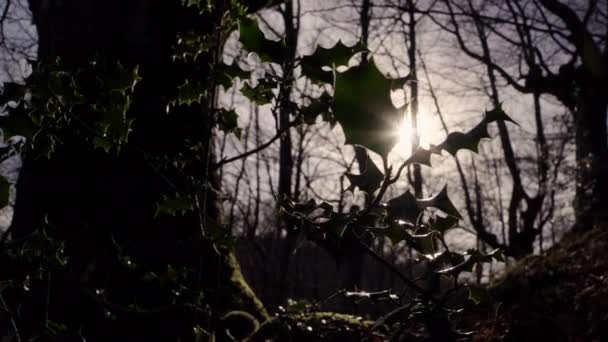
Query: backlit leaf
[364,109]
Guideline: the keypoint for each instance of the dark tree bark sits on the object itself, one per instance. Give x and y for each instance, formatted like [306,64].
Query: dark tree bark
[102,205]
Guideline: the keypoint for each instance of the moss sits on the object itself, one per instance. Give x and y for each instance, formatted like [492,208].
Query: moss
[314,326]
[241,296]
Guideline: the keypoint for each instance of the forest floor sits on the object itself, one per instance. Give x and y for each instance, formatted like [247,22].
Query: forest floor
[560,296]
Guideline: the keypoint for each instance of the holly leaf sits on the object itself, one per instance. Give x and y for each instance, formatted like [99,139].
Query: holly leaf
[174,205]
[319,106]
[227,121]
[404,207]
[421,156]
[261,94]
[443,224]
[477,294]
[471,258]
[335,56]
[470,140]
[407,207]
[5,189]
[442,202]
[121,79]
[253,40]
[11,92]
[364,109]
[18,123]
[189,93]
[369,181]
[228,73]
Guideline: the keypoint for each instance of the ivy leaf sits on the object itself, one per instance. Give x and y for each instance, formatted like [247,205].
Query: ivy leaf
[364,109]
[5,189]
[261,94]
[369,181]
[253,40]
[470,140]
[335,56]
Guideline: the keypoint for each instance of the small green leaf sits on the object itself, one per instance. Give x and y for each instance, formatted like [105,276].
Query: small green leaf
[364,109]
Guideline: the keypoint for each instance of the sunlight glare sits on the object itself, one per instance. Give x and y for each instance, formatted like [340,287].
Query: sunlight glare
[428,131]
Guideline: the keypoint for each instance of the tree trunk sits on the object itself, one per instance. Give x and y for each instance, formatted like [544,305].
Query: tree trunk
[102,205]
[591,152]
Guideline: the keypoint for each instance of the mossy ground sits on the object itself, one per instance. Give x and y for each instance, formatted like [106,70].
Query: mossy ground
[560,296]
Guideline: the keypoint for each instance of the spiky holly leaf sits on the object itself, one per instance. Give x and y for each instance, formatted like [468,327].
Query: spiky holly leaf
[369,181]
[335,56]
[403,207]
[364,109]
[456,141]
[227,121]
[319,106]
[228,73]
[421,156]
[443,224]
[174,205]
[471,258]
[18,123]
[189,93]
[400,231]
[478,294]
[442,202]
[253,40]
[11,92]
[261,94]
[407,207]
[121,79]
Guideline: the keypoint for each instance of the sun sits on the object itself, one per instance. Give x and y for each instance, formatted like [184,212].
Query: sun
[429,132]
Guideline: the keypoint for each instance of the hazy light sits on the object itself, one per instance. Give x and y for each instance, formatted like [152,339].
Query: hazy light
[428,132]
